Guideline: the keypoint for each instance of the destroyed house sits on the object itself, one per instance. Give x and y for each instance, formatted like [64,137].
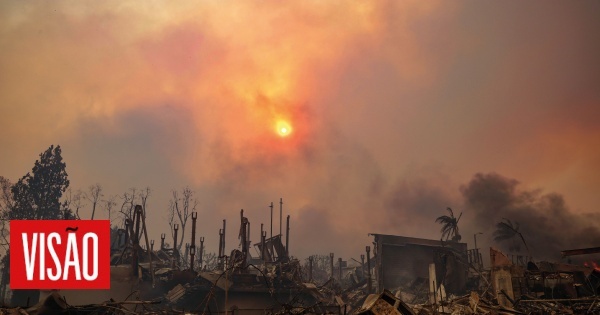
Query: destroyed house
[402,262]
[558,280]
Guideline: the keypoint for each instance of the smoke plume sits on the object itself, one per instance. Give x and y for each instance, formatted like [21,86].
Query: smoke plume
[545,221]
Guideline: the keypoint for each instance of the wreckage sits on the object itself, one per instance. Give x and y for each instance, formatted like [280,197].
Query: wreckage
[401,275]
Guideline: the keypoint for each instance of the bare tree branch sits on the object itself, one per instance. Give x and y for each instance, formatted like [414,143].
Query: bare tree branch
[109,204]
[127,207]
[94,195]
[74,201]
[180,208]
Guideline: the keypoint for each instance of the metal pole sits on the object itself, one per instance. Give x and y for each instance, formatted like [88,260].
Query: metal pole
[220,244]
[220,256]
[192,254]
[262,242]
[249,245]
[243,234]
[272,256]
[175,251]
[201,251]
[162,241]
[271,206]
[152,246]
[226,287]
[280,215]
[186,256]
[136,242]
[193,246]
[287,237]
[369,270]
[224,226]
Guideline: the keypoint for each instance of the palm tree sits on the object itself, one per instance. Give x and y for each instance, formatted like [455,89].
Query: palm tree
[449,225]
[506,230]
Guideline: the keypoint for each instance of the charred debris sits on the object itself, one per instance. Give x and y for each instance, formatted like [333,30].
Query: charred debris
[398,275]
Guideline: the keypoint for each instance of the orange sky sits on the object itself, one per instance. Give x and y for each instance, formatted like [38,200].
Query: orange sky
[392,105]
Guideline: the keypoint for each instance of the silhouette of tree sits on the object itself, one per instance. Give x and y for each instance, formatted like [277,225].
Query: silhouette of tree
[37,195]
[506,230]
[6,203]
[6,200]
[449,226]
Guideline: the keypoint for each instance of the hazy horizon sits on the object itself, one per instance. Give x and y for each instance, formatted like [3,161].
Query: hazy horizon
[397,111]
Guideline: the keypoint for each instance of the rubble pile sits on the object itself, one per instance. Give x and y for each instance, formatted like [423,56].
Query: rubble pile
[404,275]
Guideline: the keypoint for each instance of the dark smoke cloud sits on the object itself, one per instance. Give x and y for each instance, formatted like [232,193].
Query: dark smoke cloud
[414,201]
[545,220]
[374,95]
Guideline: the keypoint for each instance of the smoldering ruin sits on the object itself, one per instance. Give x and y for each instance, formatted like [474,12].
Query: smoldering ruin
[394,274]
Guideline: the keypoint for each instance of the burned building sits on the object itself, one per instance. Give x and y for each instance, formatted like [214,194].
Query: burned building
[513,281]
[406,261]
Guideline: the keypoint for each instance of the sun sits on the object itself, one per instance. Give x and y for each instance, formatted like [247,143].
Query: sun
[283,128]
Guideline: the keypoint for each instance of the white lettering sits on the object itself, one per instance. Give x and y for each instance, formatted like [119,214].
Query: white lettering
[72,258]
[42,256]
[54,277]
[48,245]
[86,274]
[29,257]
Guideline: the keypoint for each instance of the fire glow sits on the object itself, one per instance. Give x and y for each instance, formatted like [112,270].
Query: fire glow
[592,264]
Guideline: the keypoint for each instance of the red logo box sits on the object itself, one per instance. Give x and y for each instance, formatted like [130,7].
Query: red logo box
[60,254]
